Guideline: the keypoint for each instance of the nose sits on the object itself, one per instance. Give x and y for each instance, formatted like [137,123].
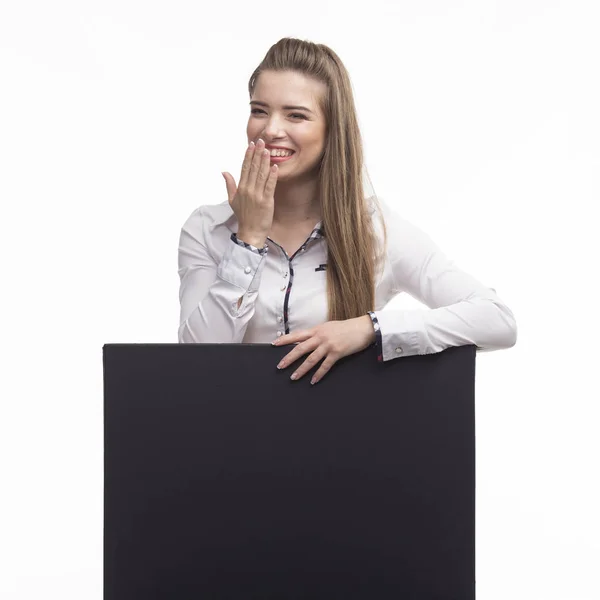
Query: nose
[272,128]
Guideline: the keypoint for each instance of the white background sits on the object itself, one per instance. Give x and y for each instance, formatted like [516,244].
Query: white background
[481,123]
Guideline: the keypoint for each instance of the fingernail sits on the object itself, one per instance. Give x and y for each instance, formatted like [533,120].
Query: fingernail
[294,376]
[281,365]
[313,381]
[274,342]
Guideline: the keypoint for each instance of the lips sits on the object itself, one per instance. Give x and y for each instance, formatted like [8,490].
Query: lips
[278,148]
[279,159]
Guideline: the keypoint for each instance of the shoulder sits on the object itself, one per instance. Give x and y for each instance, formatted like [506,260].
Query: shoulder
[382,213]
[403,236]
[208,219]
[380,208]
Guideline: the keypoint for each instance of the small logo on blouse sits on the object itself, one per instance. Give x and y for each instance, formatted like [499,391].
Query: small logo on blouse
[321,267]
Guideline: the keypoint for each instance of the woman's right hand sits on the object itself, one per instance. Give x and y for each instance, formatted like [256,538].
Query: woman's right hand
[253,200]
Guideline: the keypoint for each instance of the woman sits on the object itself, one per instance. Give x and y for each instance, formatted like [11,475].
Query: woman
[298,254]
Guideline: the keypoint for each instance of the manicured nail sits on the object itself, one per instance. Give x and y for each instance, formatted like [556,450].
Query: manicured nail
[281,365]
[313,381]
[274,342]
[294,376]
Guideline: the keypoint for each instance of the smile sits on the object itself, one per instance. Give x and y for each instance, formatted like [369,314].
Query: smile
[280,159]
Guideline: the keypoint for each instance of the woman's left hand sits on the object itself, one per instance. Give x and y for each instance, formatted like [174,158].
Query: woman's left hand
[330,341]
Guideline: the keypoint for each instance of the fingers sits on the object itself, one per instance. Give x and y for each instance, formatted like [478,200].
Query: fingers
[319,349]
[251,167]
[309,363]
[246,165]
[257,173]
[263,174]
[300,350]
[271,181]
[323,369]
[230,185]
[293,338]
[293,356]
[259,169]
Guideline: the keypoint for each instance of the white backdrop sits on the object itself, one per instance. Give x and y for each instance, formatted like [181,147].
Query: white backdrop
[481,125]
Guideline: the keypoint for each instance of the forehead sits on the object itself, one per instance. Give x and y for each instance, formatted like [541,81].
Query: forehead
[279,88]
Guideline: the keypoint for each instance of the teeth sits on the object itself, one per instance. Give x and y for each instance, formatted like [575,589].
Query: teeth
[281,153]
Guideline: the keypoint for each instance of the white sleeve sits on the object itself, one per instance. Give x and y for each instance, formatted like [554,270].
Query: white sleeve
[462,311]
[210,288]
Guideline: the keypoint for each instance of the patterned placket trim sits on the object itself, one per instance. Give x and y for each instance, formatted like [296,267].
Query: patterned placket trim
[316,233]
[286,300]
[378,339]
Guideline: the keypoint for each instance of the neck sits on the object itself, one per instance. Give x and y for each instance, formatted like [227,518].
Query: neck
[296,203]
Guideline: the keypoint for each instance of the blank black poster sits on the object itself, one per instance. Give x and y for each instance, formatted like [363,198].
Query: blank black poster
[226,480]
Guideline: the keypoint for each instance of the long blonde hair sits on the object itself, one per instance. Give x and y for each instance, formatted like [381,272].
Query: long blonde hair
[354,254]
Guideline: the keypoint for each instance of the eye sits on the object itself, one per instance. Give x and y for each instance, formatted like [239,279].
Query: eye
[255,111]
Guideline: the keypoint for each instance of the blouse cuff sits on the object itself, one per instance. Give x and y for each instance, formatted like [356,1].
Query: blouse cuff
[378,341]
[254,249]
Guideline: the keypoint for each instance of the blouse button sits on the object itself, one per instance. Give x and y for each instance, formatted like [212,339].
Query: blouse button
[398,350]
[284,288]
[247,270]
[279,334]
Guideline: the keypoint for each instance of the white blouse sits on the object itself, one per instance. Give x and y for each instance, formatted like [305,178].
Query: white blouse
[282,294]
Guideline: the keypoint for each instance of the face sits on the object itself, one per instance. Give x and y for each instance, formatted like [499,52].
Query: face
[302,130]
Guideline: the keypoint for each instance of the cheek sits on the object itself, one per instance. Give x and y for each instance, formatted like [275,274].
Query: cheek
[314,139]
[315,145]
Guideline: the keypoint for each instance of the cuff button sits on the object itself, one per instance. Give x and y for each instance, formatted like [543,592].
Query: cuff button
[398,350]
[247,270]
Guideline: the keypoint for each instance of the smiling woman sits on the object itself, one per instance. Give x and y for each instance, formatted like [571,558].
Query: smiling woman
[299,252]
[299,135]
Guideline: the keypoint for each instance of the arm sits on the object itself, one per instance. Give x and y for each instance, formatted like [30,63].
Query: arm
[462,311]
[217,297]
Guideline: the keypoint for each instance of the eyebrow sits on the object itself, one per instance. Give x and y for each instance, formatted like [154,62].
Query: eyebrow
[288,107]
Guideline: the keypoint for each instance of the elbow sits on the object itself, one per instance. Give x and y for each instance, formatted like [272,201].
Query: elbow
[184,335]
[507,329]
[499,329]
[510,336]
